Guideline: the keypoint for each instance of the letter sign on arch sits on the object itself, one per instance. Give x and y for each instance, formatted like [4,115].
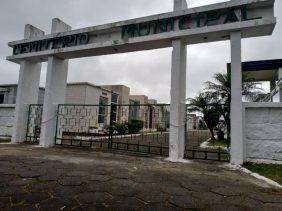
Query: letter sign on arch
[202,24]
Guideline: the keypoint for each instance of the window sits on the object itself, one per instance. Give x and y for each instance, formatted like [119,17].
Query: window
[114,98]
[114,101]
[2,98]
[103,101]
[133,110]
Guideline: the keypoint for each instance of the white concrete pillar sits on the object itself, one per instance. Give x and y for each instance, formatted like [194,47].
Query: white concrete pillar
[237,145]
[55,90]
[178,95]
[28,87]
[179,5]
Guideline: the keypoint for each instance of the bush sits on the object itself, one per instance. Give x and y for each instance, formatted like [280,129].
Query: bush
[134,126]
[202,125]
[121,128]
[161,128]
[108,129]
[220,135]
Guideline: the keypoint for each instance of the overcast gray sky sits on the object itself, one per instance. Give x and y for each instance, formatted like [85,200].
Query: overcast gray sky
[146,72]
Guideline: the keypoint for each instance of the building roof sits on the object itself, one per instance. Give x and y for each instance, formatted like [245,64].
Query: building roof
[8,85]
[139,96]
[115,85]
[14,85]
[68,84]
[263,70]
[262,65]
[87,84]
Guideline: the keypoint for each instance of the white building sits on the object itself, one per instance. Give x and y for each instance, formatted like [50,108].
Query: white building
[76,93]
[8,94]
[84,93]
[266,71]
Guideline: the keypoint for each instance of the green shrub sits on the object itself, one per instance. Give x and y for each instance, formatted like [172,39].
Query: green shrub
[220,135]
[108,129]
[161,128]
[121,128]
[134,126]
[202,125]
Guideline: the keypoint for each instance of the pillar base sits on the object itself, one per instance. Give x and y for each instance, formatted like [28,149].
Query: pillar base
[9,143]
[179,160]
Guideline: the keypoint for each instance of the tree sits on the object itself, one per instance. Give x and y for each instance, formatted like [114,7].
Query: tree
[206,104]
[221,90]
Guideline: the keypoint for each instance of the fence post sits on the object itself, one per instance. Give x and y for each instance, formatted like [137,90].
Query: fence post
[111,127]
[186,129]
[56,130]
[28,121]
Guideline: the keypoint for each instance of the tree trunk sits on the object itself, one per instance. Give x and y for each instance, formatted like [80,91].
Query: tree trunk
[212,134]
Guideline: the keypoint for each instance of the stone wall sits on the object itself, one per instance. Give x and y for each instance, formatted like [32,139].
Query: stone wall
[263,132]
[6,120]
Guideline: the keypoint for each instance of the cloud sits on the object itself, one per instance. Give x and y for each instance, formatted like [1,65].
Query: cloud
[146,72]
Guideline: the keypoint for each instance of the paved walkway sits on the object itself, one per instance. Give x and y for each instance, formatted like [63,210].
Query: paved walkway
[72,179]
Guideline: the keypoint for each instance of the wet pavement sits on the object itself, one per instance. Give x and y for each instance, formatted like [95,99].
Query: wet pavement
[74,179]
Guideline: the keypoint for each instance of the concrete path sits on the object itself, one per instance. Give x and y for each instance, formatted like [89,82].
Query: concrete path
[73,179]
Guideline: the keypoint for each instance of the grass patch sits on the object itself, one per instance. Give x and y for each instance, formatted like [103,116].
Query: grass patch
[5,140]
[19,203]
[218,143]
[270,171]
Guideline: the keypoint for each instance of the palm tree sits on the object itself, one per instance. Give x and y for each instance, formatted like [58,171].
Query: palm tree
[205,104]
[221,90]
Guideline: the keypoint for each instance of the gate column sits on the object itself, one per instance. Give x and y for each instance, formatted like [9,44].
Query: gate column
[28,88]
[178,95]
[237,146]
[55,90]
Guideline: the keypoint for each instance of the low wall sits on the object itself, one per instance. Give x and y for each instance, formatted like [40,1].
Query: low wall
[6,121]
[263,132]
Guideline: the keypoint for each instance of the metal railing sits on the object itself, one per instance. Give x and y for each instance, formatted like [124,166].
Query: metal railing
[135,128]
[34,122]
[196,144]
[207,154]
